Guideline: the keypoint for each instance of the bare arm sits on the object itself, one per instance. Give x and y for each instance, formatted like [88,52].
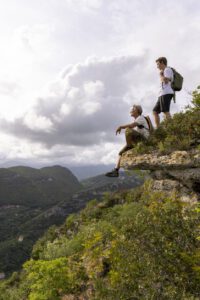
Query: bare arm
[163,78]
[131,125]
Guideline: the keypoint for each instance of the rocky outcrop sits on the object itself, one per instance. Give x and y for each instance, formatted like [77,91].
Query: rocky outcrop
[178,160]
[178,172]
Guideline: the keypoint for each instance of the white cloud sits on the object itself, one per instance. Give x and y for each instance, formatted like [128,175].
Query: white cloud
[85,5]
[33,38]
[80,111]
[89,107]
[94,89]
[89,102]
[74,115]
[9,88]
[37,123]
[65,109]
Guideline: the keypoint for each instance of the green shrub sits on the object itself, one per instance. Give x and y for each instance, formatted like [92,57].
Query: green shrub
[178,133]
[49,280]
[143,248]
[196,99]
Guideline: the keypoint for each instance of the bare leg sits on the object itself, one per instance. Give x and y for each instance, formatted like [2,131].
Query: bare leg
[115,172]
[129,145]
[118,163]
[156,118]
[167,115]
[129,137]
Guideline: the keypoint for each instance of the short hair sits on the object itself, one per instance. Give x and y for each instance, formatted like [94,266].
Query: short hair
[139,108]
[162,59]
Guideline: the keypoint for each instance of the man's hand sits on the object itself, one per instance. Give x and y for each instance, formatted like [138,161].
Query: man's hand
[163,78]
[118,130]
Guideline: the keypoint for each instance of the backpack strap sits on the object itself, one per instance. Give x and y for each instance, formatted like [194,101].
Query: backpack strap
[148,123]
[174,97]
[142,126]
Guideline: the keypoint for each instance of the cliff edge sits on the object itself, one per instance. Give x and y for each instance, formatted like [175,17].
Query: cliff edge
[177,172]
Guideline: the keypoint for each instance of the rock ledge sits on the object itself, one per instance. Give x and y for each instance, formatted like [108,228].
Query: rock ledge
[177,172]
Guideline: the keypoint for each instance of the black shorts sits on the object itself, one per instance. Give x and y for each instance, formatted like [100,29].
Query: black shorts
[163,103]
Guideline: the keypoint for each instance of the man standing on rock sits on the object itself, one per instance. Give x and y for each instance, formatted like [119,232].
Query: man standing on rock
[135,132]
[166,92]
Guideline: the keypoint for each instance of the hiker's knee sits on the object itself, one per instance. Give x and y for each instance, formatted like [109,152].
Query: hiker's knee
[128,132]
[167,115]
[124,149]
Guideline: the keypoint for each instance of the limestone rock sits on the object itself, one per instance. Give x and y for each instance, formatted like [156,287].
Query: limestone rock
[171,186]
[177,172]
[175,160]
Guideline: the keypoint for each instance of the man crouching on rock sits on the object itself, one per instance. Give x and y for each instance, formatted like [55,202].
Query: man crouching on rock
[135,132]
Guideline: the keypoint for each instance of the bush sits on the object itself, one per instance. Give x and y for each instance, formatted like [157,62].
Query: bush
[178,133]
[144,247]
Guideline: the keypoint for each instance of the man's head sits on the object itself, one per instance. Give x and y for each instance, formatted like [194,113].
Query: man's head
[161,63]
[136,111]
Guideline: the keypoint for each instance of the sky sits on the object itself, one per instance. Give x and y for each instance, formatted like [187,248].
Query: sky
[71,69]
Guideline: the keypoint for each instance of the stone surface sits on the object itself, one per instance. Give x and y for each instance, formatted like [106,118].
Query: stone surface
[176,160]
[177,172]
[171,186]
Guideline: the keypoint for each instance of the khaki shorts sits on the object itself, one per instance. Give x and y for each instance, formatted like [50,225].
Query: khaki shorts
[135,136]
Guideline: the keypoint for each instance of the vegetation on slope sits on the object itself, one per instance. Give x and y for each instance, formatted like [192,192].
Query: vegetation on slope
[132,245]
[181,133]
[26,196]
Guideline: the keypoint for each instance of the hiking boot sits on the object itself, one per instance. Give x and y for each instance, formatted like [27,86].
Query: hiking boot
[113,173]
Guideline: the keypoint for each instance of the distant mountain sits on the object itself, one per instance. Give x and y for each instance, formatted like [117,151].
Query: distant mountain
[80,171]
[124,181]
[27,200]
[94,188]
[88,171]
[55,183]
[32,200]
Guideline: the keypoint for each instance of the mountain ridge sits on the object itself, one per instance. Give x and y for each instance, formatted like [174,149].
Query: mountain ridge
[46,201]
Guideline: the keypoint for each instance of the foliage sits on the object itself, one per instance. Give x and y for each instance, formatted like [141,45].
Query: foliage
[26,194]
[133,245]
[179,133]
[51,279]
[196,99]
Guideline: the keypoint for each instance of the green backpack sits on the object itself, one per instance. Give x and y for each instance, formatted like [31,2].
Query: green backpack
[177,83]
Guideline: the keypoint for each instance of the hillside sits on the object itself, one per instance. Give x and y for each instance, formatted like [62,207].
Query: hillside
[126,180]
[26,195]
[36,187]
[49,195]
[138,244]
[108,250]
[55,183]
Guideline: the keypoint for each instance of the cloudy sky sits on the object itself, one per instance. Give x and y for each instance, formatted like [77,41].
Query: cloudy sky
[71,69]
